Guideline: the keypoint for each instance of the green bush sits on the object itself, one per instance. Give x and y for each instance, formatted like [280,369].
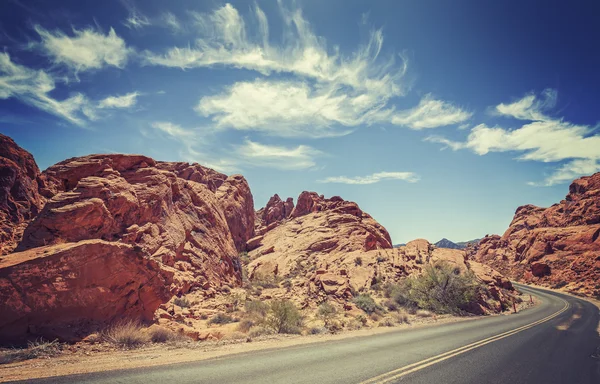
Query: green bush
[182,302]
[284,317]
[358,261]
[256,309]
[441,288]
[221,318]
[365,302]
[326,312]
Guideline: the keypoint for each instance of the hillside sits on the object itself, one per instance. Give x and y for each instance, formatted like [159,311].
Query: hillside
[556,247]
[97,239]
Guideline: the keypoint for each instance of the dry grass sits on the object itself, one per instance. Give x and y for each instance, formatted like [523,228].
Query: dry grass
[35,349]
[165,335]
[423,313]
[260,331]
[126,335]
[402,318]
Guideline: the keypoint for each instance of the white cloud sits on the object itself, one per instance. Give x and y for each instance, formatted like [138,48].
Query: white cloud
[279,157]
[542,139]
[329,92]
[33,87]
[172,22]
[87,49]
[373,178]
[431,113]
[173,130]
[569,171]
[284,108]
[136,21]
[530,107]
[125,101]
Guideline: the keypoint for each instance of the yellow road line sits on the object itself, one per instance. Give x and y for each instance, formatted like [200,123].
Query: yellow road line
[400,372]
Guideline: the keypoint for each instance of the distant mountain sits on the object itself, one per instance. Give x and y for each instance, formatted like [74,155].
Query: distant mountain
[399,245]
[445,243]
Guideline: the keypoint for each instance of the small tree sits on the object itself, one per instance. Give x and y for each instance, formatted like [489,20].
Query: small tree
[326,312]
[284,317]
[442,288]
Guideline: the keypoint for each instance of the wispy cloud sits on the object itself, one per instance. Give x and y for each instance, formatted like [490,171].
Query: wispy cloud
[279,157]
[284,108]
[173,130]
[373,178]
[431,113]
[542,139]
[135,20]
[125,101]
[85,49]
[33,87]
[329,92]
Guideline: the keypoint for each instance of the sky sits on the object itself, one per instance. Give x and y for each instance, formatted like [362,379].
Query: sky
[439,118]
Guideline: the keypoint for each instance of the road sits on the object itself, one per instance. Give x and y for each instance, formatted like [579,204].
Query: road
[554,342]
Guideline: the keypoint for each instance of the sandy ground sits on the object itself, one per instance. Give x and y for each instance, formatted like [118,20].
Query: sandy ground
[86,358]
[82,358]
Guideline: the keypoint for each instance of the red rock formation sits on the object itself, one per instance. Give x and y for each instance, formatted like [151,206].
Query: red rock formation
[237,203]
[273,213]
[557,246]
[182,221]
[68,290]
[20,200]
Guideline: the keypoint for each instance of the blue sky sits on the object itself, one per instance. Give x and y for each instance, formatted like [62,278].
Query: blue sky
[438,118]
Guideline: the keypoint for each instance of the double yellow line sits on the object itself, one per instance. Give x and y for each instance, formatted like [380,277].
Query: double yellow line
[408,369]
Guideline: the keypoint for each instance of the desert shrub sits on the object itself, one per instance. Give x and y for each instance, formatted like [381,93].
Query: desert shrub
[125,334]
[401,318]
[284,317]
[335,326]
[256,309]
[362,319]
[391,305]
[317,330]
[35,349]
[244,258]
[236,299]
[245,325]
[165,335]
[387,322]
[358,261]
[365,302]
[265,280]
[399,294]
[260,331]
[441,288]
[326,312]
[221,318]
[354,324]
[182,302]
[374,316]
[287,283]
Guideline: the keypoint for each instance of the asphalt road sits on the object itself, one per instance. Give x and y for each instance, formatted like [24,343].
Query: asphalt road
[554,342]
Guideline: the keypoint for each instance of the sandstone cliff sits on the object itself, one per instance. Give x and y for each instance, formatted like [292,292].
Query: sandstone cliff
[557,246]
[122,230]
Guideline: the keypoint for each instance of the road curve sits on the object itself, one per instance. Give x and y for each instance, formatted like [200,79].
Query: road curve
[554,342]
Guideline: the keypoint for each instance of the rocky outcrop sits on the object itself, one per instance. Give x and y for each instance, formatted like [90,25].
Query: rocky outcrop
[331,249]
[274,212]
[65,291]
[182,222]
[20,199]
[237,203]
[557,246]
